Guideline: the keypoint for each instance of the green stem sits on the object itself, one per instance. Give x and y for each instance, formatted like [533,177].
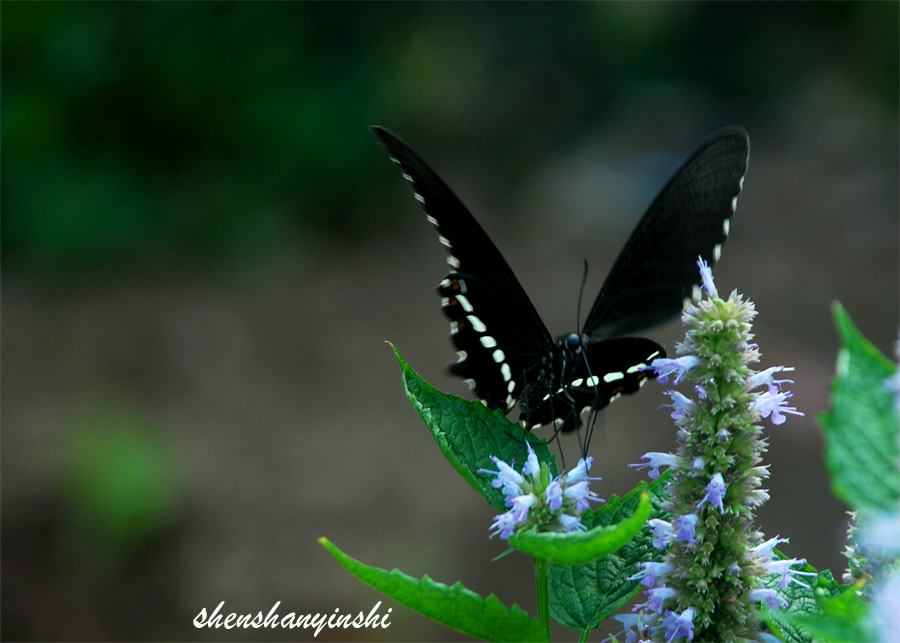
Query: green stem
[541,565]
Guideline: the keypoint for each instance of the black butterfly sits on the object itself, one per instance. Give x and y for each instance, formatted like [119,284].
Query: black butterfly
[505,351]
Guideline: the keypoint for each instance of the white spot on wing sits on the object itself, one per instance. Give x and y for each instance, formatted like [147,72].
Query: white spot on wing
[612,377]
[444,240]
[510,387]
[499,356]
[487,341]
[419,197]
[453,261]
[464,302]
[717,252]
[726,227]
[477,324]
[461,356]
[470,382]
[507,374]
[734,204]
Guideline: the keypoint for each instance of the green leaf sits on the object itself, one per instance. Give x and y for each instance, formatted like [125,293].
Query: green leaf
[579,547]
[861,426]
[790,623]
[454,606]
[468,434]
[582,596]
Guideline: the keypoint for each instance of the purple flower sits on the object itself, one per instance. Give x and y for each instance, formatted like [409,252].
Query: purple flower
[655,599]
[554,495]
[677,366]
[715,492]
[507,478]
[663,532]
[684,528]
[571,523]
[681,403]
[783,568]
[774,404]
[770,597]
[706,276]
[766,377]
[679,625]
[520,506]
[656,460]
[580,471]
[532,466]
[651,572]
[504,524]
[766,550]
[582,495]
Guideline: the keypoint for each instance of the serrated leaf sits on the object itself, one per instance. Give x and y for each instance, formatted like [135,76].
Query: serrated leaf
[579,547]
[454,606]
[788,622]
[468,434]
[582,596]
[861,426]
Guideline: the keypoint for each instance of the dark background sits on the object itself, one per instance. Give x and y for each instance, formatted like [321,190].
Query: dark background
[204,250]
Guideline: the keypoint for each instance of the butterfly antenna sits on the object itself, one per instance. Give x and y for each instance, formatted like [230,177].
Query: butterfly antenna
[581,295]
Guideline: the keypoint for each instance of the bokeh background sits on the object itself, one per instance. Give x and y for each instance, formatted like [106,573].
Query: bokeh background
[204,250]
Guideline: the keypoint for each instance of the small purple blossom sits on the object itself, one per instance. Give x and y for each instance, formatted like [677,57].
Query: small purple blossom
[681,404]
[554,495]
[580,471]
[684,528]
[651,572]
[582,495]
[679,625]
[571,523]
[633,626]
[656,460]
[520,506]
[782,568]
[663,532]
[504,524]
[507,478]
[769,596]
[707,277]
[715,492]
[766,378]
[678,366]
[655,599]
[532,465]
[774,404]
[766,550]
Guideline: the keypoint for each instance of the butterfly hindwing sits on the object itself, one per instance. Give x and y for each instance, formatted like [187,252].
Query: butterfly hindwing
[606,370]
[492,322]
[657,268]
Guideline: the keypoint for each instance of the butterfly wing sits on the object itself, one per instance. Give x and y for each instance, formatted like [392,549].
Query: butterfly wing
[657,268]
[608,369]
[492,322]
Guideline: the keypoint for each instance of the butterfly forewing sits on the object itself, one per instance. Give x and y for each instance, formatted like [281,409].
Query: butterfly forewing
[657,269]
[492,322]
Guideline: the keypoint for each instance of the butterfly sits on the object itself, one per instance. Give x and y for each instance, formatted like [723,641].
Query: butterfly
[506,353]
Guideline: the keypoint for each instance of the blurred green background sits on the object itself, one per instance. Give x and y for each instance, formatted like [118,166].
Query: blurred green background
[203,250]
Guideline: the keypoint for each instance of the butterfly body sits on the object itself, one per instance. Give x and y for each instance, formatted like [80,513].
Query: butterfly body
[506,352]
